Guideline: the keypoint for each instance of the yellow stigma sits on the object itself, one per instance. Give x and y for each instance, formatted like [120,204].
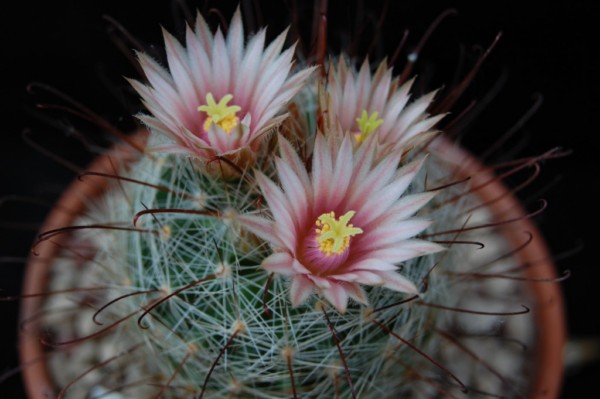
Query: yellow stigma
[367,125]
[220,113]
[333,235]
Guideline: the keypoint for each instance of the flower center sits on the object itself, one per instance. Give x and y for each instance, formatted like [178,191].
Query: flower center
[220,113]
[367,125]
[333,235]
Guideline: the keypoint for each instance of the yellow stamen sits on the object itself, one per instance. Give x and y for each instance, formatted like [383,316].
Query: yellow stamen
[367,125]
[333,235]
[220,113]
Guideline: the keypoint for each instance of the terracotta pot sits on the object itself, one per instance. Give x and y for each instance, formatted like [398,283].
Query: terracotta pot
[71,204]
[547,310]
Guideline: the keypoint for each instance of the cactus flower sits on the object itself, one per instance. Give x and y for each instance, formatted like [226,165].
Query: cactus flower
[365,104]
[343,224]
[220,94]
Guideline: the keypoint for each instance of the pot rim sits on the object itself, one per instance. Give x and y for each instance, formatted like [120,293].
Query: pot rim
[548,309]
[71,204]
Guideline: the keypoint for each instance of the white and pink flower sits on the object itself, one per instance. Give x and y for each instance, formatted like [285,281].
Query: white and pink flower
[343,224]
[219,94]
[364,104]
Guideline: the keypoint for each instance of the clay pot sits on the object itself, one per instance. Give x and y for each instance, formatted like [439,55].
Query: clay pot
[71,205]
[547,310]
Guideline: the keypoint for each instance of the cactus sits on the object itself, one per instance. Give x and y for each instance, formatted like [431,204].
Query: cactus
[289,230]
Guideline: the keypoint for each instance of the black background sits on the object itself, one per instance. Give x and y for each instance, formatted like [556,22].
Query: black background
[546,48]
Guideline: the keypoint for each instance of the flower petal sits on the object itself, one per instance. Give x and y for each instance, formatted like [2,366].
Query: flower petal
[406,250]
[356,292]
[262,228]
[342,170]
[235,45]
[372,264]
[393,233]
[412,113]
[337,295]
[361,276]
[410,204]
[179,67]
[397,282]
[278,204]
[279,262]
[221,70]
[300,290]
[322,169]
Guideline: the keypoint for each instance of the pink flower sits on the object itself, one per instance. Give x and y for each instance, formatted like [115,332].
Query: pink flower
[365,104]
[344,223]
[219,95]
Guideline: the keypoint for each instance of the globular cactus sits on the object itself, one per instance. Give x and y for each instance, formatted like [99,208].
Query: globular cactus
[288,230]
